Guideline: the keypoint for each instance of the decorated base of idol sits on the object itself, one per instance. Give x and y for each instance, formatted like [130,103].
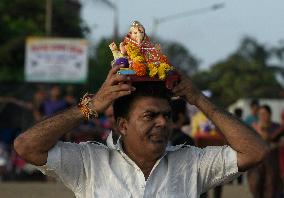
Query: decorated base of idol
[142,60]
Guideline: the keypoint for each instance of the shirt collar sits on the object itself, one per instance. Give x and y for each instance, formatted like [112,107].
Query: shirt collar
[110,142]
[118,145]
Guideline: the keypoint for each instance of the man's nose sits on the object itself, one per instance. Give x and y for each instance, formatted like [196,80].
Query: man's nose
[162,120]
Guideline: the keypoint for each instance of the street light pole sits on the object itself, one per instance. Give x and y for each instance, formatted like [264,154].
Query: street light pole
[48,18]
[115,10]
[158,21]
[116,25]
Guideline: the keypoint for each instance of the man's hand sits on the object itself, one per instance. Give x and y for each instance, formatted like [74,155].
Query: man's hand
[186,89]
[33,145]
[115,86]
[250,148]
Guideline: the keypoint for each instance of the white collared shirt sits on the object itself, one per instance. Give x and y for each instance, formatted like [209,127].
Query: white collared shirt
[94,170]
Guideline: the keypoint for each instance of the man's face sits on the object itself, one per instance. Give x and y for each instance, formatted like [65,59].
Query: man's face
[148,128]
[254,109]
[264,115]
[55,92]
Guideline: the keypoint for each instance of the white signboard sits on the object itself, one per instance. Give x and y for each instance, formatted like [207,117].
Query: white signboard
[56,60]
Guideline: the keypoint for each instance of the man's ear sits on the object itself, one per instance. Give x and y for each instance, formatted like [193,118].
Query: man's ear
[122,126]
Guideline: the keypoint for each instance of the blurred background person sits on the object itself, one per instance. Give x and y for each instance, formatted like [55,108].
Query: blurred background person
[180,119]
[278,136]
[206,134]
[264,180]
[54,103]
[69,96]
[253,116]
[238,112]
[4,161]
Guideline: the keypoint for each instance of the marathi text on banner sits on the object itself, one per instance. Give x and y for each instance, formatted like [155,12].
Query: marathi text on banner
[56,60]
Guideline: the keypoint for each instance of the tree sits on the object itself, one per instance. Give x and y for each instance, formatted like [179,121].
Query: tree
[100,64]
[180,57]
[244,74]
[22,18]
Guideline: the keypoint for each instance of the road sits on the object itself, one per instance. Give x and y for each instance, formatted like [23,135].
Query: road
[57,190]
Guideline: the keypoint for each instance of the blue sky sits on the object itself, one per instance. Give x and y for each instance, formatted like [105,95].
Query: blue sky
[210,36]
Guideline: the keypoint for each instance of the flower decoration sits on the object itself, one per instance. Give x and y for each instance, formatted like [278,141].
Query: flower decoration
[163,69]
[144,58]
[139,68]
[163,59]
[153,70]
[132,51]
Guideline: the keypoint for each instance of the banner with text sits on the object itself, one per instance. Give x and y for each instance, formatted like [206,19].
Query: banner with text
[56,60]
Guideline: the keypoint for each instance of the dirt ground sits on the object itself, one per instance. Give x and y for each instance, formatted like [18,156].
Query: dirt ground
[57,190]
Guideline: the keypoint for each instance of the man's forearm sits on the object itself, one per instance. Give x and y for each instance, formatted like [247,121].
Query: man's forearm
[248,144]
[34,144]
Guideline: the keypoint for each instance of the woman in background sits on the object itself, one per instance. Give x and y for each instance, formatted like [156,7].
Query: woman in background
[264,180]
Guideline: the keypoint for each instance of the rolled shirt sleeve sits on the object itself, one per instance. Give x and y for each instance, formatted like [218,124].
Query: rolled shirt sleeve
[65,161]
[217,165]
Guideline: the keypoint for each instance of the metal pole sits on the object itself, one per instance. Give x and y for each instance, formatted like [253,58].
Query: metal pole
[158,21]
[48,18]
[116,27]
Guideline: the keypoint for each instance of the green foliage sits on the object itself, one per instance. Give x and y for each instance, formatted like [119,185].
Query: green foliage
[244,74]
[67,21]
[180,57]
[22,18]
[100,64]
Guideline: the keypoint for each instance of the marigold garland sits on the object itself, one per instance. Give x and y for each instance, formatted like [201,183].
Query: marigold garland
[139,59]
[140,68]
[132,51]
[153,70]
[163,69]
[163,59]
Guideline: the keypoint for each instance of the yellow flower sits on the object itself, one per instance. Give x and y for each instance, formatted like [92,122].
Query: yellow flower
[139,63]
[152,69]
[132,50]
[163,70]
[161,73]
[139,59]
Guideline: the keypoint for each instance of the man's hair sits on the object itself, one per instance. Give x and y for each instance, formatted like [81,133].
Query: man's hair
[178,107]
[254,102]
[238,112]
[266,108]
[156,89]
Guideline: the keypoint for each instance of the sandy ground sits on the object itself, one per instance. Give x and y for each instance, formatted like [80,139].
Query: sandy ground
[57,190]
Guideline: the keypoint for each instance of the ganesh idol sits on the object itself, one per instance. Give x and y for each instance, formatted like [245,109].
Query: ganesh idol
[142,57]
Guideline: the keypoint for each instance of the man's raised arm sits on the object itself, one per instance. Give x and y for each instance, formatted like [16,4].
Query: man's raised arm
[250,148]
[33,145]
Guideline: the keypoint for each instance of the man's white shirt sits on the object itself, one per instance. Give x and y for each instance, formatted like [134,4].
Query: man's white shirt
[94,170]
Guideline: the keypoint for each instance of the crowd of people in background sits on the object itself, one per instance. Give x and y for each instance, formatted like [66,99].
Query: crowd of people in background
[266,180]
[190,127]
[45,102]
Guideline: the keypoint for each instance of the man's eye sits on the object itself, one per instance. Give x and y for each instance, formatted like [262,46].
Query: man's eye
[168,115]
[149,116]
